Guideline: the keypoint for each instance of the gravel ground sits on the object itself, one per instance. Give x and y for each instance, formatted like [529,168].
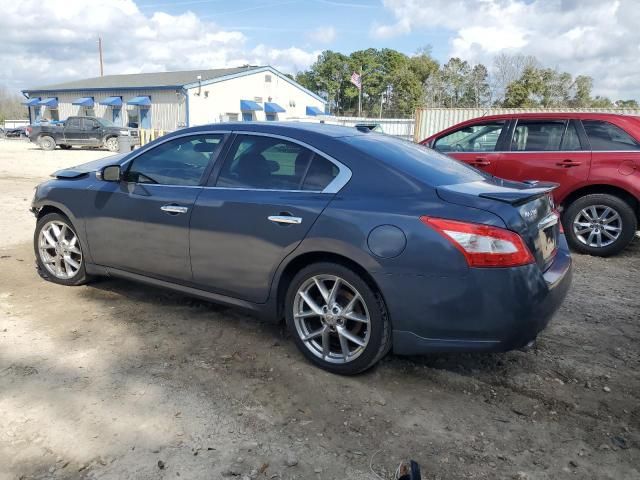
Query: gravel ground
[120,381]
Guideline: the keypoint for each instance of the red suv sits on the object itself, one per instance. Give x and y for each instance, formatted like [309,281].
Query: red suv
[595,157]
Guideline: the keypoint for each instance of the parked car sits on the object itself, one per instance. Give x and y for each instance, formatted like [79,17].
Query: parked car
[362,242]
[595,157]
[17,132]
[80,131]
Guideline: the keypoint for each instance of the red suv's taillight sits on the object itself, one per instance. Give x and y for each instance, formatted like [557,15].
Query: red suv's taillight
[483,245]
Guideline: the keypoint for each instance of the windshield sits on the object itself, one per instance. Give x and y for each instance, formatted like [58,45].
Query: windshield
[106,123]
[416,160]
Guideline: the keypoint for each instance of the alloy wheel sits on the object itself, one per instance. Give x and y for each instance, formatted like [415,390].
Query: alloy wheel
[597,226]
[112,144]
[331,318]
[59,250]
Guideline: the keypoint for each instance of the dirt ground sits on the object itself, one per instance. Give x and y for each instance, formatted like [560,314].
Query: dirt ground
[120,381]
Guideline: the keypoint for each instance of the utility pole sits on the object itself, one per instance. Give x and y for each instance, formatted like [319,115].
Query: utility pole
[100,52]
[360,94]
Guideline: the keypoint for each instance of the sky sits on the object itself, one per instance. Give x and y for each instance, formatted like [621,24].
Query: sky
[45,42]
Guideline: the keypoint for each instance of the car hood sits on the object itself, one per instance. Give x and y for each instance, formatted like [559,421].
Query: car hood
[94,166]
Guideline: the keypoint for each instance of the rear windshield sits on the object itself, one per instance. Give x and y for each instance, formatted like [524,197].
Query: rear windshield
[416,160]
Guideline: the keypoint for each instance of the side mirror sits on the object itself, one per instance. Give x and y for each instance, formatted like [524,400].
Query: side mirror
[110,173]
[96,127]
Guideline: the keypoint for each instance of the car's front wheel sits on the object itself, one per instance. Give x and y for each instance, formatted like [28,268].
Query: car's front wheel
[47,143]
[337,320]
[599,224]
[112,144]
[58,250]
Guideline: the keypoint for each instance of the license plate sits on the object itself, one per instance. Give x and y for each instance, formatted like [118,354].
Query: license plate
[547,236]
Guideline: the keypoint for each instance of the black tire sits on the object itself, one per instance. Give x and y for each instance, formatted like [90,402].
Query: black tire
[65,147]
[628,222]
[80,277]
[379,342]
[47,143]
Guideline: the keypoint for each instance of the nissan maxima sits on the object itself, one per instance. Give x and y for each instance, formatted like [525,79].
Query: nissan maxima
[363,243]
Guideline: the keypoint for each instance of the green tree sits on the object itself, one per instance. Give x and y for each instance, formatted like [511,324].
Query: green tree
[627,104]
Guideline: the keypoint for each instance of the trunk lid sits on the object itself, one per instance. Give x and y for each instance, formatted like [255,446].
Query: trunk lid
[525,208]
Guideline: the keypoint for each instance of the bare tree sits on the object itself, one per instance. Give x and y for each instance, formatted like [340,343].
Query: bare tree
[11,105]
[507,69]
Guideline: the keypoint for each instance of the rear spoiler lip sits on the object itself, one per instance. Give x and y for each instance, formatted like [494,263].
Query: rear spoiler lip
[518,197]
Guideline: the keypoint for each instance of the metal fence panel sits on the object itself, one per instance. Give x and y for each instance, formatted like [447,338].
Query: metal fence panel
[398,127]
[434,120]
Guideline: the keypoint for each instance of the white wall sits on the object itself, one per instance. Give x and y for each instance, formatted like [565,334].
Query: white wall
[219,99]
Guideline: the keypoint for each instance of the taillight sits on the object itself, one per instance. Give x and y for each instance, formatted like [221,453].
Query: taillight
[483,245]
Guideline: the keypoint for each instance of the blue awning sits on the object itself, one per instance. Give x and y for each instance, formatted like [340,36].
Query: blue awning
[51,102]
[140,101]
[313,111]
[83,101]
[270,107]
[112,101]
[249,106]
[31,102]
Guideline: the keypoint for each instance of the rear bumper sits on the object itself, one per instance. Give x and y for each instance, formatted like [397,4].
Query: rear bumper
[487,310]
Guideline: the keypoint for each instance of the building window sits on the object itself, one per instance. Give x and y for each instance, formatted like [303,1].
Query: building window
[231,117]
[54,115]
[88,112]
[292,103]
[134,119]
[116,116]
[271,117]
[247,116]
[257,99]
[267,79]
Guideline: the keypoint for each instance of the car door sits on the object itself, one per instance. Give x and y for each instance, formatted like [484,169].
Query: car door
[141,224]
[478,144]
[547,150]
[91,132]
[262,200]
[73,132]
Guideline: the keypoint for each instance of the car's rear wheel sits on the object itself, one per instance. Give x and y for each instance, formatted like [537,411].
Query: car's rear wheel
[112,144]
[47,143]
[337,320]
[599,224]
[58,250]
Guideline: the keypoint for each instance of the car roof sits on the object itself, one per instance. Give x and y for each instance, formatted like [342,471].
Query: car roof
[290,128]
[577,115]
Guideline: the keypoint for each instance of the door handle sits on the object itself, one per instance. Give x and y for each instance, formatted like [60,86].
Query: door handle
[568,163]
[480,162]
[285,219]
[174,209]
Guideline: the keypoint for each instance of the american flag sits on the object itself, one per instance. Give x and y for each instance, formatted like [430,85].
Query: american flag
[356,80]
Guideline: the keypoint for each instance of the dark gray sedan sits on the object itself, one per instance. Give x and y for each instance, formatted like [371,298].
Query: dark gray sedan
[362,242]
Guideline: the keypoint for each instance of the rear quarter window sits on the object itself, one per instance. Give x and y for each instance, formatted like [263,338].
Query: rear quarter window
[419,161]
[607,136]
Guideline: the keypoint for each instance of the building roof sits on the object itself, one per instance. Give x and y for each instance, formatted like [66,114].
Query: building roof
[144,80]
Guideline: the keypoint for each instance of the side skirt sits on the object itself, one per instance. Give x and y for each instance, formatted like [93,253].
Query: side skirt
[261,310]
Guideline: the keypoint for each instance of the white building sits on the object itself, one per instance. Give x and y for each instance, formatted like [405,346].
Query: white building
[172,100]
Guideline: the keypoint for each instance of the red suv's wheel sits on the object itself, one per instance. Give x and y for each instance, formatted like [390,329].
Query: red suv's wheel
[599,224]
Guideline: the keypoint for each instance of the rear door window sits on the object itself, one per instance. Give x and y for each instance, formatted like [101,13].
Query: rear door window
[481,137]
[538,135]
[606,136]
[73,123]
[269,163]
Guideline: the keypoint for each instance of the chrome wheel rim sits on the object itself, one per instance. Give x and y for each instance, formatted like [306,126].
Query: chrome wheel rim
[59,250]
[332,319]
[597,226]
[112,144]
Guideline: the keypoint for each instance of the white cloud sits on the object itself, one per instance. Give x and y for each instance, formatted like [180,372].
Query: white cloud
[322,35]
[592,37]
[53,41]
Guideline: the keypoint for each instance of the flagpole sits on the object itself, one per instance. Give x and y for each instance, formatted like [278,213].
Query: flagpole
[360,94]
